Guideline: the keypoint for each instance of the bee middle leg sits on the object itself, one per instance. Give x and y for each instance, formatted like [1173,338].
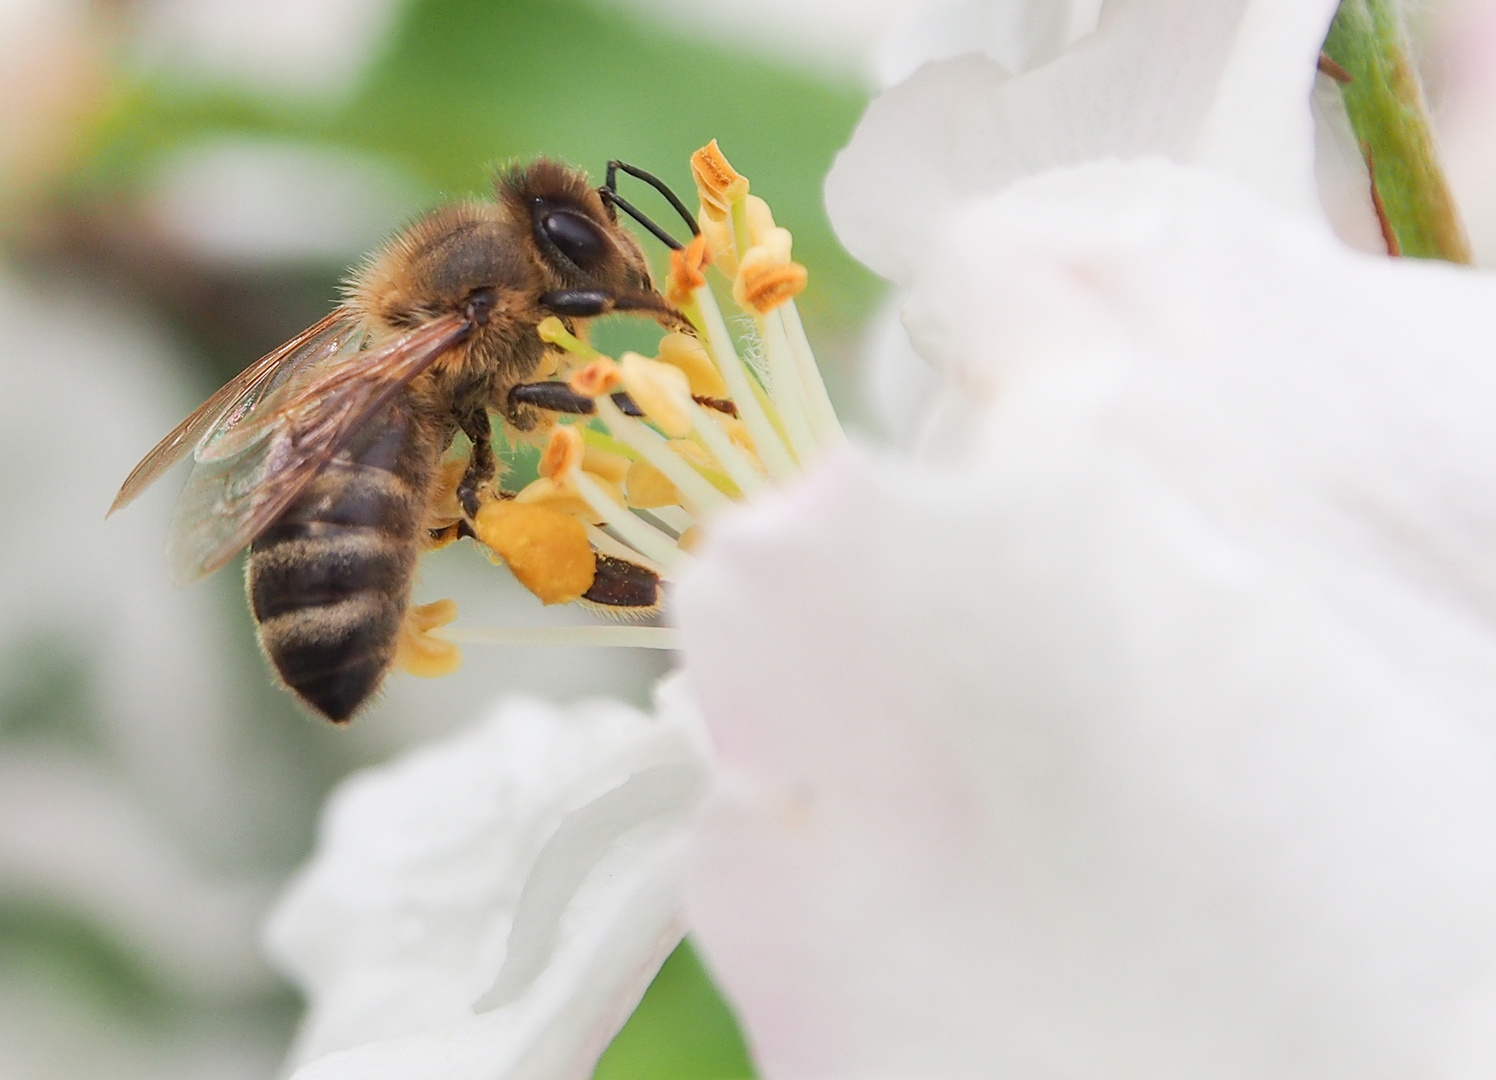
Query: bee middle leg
[622,588]
[558,397]
[483,465]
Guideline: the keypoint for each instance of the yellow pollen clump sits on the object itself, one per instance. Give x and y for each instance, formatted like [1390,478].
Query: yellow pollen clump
[547,551]
[417,652]
[686,266]
[687,353]
[595,379]
[662,391]
[562,497]
[648,488]
[562,453]
[717,182]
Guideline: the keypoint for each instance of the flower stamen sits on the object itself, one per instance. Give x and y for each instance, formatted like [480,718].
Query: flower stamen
[708,425]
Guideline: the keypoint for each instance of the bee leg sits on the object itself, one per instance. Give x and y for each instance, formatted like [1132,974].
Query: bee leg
[558,397]
[623,587]
[586,303]
[551,396]
[482,466]
[582,303]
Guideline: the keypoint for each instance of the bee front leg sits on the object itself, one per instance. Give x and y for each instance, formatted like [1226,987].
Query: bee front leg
[588,303]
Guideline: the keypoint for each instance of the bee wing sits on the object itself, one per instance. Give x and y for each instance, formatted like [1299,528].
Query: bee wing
[240,396]
[248,473]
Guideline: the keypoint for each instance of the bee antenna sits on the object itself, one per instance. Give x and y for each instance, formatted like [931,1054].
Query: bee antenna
[609,192]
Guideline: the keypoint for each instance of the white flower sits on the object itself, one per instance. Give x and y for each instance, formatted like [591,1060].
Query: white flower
[1136,725]
[1139,725]
[493,905]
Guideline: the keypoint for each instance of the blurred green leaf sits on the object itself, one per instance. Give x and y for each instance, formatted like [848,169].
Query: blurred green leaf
[465,85]
[682,1030]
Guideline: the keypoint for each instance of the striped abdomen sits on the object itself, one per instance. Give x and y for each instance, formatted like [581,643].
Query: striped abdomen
[329,582]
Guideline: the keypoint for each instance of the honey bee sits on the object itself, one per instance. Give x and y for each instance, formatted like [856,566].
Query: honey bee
[323,456]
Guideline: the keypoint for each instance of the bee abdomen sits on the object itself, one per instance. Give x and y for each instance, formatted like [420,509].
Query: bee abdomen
[330,581]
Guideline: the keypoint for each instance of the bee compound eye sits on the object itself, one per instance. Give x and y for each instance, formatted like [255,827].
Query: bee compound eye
[575,237]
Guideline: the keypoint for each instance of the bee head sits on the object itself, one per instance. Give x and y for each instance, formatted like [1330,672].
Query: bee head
[577,238]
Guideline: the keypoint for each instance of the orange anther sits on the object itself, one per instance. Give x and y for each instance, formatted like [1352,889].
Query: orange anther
[686,266]
[595,379]
[717,182]
[562,454]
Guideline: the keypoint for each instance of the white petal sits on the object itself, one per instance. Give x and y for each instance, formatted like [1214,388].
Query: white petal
[1018,34]
[1333,407]
[1154,740]
[883,41]
[1222,83]
[897,381]
[493,905]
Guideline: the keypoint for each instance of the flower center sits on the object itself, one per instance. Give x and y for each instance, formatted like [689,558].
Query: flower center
[625,492]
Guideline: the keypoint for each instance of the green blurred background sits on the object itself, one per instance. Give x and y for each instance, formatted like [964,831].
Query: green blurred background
[90,223]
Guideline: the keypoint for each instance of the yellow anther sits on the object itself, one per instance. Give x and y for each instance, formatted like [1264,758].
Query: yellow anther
[562,453]
[596,379]
[760,222]
[685,352]
[547,551]
[716,235]
[662,391]
[686,266]
[417,652]
[691,539]
[717,182]
[648,488]
[605,465]
[763,282]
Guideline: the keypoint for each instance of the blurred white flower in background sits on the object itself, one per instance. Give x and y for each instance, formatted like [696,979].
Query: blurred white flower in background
[129,803]
[278,48]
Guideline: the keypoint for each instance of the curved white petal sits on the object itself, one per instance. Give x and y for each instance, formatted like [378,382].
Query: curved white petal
[1220,83]
[1018,34]
[1150,736]
[493,905]
[884,40]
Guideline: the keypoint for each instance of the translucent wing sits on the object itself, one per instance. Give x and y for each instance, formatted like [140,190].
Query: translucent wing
[334,334]
[248,472]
